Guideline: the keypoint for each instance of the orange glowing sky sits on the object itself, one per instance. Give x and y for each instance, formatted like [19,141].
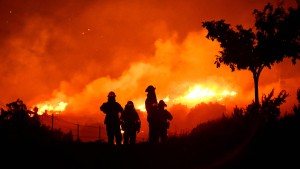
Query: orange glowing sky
[71,53]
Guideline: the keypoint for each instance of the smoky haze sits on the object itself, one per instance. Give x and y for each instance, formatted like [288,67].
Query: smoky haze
[77,51]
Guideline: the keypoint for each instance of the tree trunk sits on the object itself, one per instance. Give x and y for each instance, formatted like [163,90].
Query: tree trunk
[256,77]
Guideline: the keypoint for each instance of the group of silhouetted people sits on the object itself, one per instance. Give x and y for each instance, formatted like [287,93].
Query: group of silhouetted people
[127,119]
[157,116]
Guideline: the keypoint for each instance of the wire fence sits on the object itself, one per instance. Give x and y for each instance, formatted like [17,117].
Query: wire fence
[80,132]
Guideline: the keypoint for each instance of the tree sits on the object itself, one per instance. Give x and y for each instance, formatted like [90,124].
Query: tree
[276,36]
[17,123]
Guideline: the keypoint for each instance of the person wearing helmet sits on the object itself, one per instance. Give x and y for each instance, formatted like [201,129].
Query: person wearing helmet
[130,123]
[150,88]
[164,117]
[112,110]
[151,108]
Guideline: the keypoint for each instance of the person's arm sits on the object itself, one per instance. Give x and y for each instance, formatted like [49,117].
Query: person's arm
[137,118]
[120,108]
[170,117]
[137,122]
[122,116]
[103,107]
[147,106]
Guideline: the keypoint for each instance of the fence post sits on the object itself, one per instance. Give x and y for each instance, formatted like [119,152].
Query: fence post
[52,126]
[99,133]
[52,119]
[77,132]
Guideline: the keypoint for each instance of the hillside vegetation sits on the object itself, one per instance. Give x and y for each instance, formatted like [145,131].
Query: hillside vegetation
[246,139]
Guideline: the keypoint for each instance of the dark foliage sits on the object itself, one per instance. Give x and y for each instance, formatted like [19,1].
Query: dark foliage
[244,140]
[270,107]
[297,107]
[18,124]
[276,36]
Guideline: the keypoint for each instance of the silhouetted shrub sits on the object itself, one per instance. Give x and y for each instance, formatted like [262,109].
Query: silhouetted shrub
[297,107]
[270,106]
[18,124]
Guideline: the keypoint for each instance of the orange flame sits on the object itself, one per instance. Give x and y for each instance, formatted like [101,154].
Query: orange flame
[191,97]
[51,107]
[198,94]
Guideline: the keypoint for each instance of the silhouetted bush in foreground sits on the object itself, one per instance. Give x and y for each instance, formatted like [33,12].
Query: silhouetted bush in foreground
[18,124]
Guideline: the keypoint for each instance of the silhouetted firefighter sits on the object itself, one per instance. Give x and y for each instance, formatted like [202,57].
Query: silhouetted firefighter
[164,118]
[151,108]
[111,109]
[130,122]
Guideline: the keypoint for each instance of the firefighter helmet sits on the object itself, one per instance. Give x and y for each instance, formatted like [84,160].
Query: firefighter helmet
[150,88]
[111,94]
[162,103]
[130,103]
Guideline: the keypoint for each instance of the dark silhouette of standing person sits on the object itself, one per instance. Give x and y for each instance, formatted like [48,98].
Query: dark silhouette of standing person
[151,108]
[112,109]
[164,120]
[130,122]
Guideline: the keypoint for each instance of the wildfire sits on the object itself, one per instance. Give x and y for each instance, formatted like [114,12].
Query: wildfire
[51,107]
[193,96]
[198,94]
[142,108]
